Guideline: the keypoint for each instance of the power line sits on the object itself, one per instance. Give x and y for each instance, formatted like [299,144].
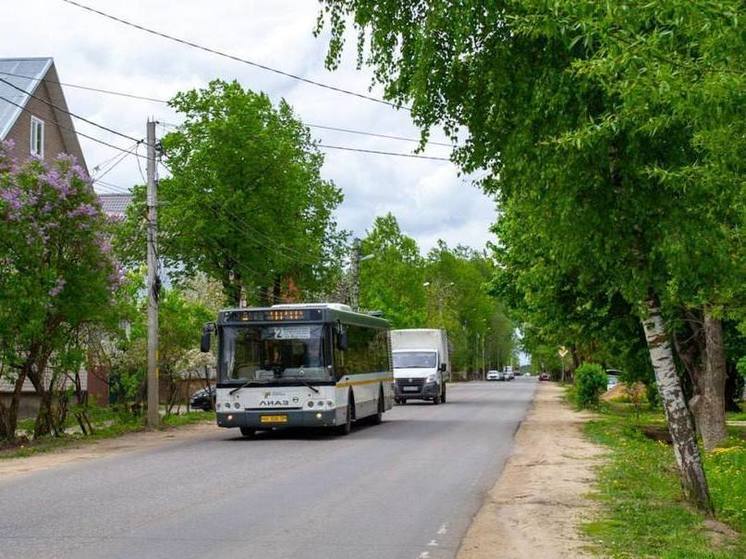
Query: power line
[374,134]
[165,102]
[107,129]
[88,88]
[378,152]
[234,57]
[102,142]
[121,157]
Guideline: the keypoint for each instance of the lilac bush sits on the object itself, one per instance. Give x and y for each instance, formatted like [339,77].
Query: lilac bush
[57,270]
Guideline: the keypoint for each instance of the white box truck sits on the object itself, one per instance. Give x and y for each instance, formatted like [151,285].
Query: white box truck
[422,364]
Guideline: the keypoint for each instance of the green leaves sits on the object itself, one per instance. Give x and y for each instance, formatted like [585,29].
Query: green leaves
[246,203]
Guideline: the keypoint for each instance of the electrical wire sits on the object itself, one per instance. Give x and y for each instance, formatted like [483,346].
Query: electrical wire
[67,128]
[106,128]
[234,57]
[379,152]
[171,125]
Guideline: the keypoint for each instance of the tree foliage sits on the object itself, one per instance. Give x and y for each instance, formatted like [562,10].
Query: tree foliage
[57,276]
[446,289]
[245,203]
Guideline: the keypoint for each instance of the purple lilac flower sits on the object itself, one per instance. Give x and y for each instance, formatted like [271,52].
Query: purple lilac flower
[57,289]
[86,210]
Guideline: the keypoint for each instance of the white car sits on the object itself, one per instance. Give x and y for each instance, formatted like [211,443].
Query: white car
[495,375]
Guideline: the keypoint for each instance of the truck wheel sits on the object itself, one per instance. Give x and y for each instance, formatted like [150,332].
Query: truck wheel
[346,427]
[443,398]
[436,399]
[377,419]
[248,432]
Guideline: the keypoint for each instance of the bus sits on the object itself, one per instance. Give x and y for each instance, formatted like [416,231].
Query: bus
[306,365]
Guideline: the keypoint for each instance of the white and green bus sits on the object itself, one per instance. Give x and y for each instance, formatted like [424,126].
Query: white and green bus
[309,365]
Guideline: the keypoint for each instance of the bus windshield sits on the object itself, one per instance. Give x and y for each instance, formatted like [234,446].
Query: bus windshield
[275,353]
[414,360]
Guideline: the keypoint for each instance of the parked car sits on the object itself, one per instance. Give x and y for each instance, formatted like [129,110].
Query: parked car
[509,375]
[203,399]
[612,378]
[544,376]
[494,375]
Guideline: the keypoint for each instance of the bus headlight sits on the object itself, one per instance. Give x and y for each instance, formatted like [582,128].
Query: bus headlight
[431,378]
[236,405]
[310,403]
[330,403]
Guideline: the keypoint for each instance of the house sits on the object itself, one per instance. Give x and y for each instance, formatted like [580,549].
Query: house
[33,110]
[115,205]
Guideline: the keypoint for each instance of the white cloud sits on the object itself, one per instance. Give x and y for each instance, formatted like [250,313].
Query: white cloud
[428,197]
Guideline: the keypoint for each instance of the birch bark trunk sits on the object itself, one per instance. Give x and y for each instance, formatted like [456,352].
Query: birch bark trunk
[688,458]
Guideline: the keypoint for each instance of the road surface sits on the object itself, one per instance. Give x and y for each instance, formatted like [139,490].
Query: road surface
[405,489]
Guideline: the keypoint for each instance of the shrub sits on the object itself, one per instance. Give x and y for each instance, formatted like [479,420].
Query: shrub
[590,383]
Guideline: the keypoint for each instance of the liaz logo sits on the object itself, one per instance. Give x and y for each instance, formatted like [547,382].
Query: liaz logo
[274,403]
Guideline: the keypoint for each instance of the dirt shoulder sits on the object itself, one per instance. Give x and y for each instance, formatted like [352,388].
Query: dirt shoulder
[131,442]
[536,507]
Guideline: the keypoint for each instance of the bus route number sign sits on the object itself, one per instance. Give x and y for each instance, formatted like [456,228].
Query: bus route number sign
[290,332]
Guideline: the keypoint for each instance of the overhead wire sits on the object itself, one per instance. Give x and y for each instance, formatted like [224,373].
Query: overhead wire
[70,113]
[234,57]
[172,125]
[67,128]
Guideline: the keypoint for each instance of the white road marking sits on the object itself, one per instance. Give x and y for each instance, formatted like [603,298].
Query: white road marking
[424,555]
[443,529]
[432,543]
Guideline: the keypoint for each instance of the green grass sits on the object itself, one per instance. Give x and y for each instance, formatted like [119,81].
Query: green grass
[108,424]
[642,510]
[736,416]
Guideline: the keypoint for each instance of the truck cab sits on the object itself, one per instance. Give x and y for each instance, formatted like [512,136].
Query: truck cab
[421,365]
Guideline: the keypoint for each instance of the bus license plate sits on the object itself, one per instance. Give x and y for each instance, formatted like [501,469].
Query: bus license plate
[411,389]
[273,419]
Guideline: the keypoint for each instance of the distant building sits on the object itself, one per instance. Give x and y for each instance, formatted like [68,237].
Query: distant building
[115,205]
[33,110]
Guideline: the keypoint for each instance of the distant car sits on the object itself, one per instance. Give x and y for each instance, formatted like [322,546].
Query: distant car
[544,376]
[495,375]
[526,374]
[203,399]
[509,375]
[612,378]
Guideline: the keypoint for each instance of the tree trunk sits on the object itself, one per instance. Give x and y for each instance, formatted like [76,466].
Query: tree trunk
[710,415]
[9,413]
[688,458]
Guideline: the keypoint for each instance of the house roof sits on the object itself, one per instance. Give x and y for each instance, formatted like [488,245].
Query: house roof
[115,205]
[25,73]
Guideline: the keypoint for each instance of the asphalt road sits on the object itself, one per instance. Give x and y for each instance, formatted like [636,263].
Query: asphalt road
[405,489]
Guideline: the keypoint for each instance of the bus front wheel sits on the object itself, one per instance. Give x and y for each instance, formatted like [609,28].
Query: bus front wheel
[346,427]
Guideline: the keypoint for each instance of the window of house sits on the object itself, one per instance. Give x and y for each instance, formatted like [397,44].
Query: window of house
[37,137]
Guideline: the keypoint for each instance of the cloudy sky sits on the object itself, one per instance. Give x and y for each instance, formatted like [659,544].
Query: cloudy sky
[428,197]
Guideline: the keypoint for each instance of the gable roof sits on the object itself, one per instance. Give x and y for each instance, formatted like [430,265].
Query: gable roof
[33,71]
[115,205]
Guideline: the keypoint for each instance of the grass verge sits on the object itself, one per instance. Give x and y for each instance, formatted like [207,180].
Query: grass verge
[642,512]
[106,426]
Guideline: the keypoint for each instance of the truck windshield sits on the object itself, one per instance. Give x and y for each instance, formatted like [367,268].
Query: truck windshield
[278,353]
[414,360]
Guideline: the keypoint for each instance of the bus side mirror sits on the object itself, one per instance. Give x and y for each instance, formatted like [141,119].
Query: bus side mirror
[443,367]
[342,341]
[204,345]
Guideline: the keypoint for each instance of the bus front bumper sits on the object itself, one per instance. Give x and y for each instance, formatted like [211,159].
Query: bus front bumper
[269,419]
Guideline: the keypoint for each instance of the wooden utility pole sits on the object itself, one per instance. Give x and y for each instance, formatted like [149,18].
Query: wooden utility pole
[154,417]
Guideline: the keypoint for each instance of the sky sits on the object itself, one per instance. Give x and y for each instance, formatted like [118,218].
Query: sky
[429,198]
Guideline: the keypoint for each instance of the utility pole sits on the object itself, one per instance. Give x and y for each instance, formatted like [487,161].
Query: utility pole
[355,275]
[153,285]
